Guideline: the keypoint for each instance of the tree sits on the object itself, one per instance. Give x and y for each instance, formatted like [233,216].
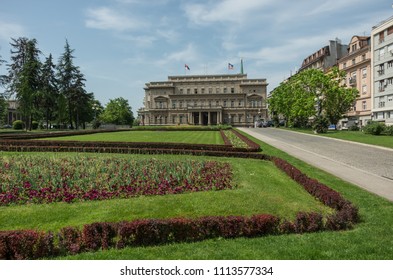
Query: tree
[66,77]
[338,99]
[49,92]
[24,77]
[311,94]
[118,112]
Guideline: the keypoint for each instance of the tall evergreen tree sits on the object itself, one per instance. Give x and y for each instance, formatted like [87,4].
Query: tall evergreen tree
[24,76]
[67,76]
[49,92]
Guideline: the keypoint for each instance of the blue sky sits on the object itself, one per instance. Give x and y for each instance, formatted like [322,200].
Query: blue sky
[122,44]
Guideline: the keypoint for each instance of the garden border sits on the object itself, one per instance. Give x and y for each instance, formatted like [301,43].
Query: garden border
[32,244]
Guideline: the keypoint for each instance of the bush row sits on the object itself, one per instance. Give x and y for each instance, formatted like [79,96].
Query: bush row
[54,134]
[346,214]
[29,244]
[124,150]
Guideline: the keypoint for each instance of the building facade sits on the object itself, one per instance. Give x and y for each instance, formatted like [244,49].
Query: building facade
[325,57]
[204,100]
[357,65]
[382,71]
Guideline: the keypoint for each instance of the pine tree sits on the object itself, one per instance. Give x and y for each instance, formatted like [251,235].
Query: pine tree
[24,76]
[49,92]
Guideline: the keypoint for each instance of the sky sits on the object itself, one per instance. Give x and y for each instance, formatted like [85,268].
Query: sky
[120,45]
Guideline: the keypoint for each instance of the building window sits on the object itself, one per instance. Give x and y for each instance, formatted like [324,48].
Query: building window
[389,81]
[390,64]
[225,90]
[217,90]
[354,47]
[196,91]
[353,61]
[203,91]
[363,57]
[240,103]
[225,103]
[364,72]
[232,90]
[390,98]
[364,105]
[173,104]
[181,104]
[344,65]
[181,91]
[232,103]
[195,103]
[364,89]
[217,103]
[381,69]
[188,91]
[210,90]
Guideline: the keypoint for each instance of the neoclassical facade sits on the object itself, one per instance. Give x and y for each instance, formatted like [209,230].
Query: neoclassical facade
[205,100]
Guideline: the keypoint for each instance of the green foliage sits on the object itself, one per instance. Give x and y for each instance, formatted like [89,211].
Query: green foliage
[320,124]
[389,130]
[354,128]
[34,125]
[118,112]
[18,124]
[374,128]
[312,93]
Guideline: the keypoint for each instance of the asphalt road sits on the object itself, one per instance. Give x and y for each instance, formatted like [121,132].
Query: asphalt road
[366,166]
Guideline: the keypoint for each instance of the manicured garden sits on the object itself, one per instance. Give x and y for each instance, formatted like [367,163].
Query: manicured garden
[195,137]
[262,202]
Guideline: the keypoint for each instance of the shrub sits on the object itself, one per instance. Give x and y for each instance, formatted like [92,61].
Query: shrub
[354,128]
[18,124]
[308,222]
[374,128]
[320,124]
[389,130]
[34,125]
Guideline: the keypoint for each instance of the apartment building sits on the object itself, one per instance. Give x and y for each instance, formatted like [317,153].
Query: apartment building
[325,57]
[204,100]
[382,71]
[357,65]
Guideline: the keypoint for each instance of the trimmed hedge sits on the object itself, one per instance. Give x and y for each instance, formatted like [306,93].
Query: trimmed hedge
[30,244]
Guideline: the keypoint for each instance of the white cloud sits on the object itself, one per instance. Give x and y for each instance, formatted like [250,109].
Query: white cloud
[187,55]
[223,11]
[108,19]
[10,30]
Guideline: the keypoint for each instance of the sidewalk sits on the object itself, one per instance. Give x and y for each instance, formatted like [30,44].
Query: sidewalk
[302,147]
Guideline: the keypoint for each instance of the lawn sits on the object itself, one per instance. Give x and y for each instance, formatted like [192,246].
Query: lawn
[371,239]
[195,137]
[355,136]
[260,188]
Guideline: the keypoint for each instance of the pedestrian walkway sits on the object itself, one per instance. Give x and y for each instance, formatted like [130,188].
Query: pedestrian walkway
[368,167]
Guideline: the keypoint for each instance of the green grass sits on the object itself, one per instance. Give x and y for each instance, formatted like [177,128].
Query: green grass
[355,136]
[196,137]
[262,188]
[370,239]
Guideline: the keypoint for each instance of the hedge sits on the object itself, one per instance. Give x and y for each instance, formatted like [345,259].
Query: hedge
[30,244]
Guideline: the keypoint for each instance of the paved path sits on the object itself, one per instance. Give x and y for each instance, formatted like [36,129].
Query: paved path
[366,166]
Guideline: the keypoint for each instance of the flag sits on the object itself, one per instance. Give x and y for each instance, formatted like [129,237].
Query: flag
[186,66]
[230,66]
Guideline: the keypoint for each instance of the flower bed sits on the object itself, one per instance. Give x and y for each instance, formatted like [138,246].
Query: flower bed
[37,179]
[30,244]
[234,139]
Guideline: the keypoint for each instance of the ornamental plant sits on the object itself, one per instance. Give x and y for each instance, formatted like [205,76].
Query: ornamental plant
[42,179]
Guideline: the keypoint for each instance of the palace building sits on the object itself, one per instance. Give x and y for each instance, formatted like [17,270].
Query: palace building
[205,100]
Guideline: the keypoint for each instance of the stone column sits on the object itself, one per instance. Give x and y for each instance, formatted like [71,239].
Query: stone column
[200,118]
[209,119]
